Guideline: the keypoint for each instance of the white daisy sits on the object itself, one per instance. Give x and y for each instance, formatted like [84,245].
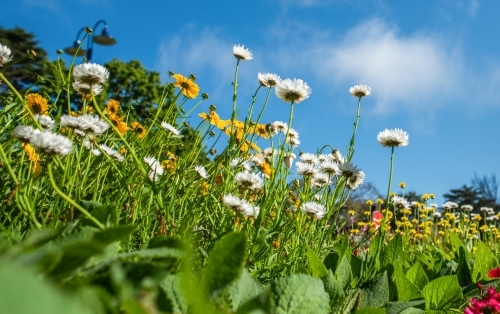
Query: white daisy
[112,153]
[293,141]
[92,123]
[45,121]
[231,201]
[240,162]
[314,208]
[393,138]
[336,157]
[248,180]
[24,133]
[347,169]
[305,169]
[51,143]
[258,160]
[201,171]
[281,126]
[436,214]
[451,205]
[288,159]
[240,205]
[329,167]
[155,167]
[354,181]
[5,55]
[69,121]
[242,53]
[321,179]
[308,158]
[268,79]
[400,202]
[360,91]
[171,128]
[90,73]
[85,89]
[269,153]
[293,91]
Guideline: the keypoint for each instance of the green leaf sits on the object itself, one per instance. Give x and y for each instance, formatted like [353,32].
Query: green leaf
[392,251]
[333,288]
[484,260]
[113,234]
[347,303]
[371,310]
[316,267]
[343,273]
[417,276]
[375,293]
[406,289]
[455,241]
[106,213]
[75,256]
[242,290]
[442,293]
[299,294]
[225,262]
[172,288]
[18,284]
[260,304]
[463,271]
[405,307]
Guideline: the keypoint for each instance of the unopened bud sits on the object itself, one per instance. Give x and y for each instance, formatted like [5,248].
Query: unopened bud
[204,96]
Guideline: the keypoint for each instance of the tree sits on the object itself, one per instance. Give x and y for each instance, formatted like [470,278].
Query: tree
[29,58]
[487,188]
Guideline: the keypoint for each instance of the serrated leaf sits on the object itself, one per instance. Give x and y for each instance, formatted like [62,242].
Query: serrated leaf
[343,273]
[405,307]
[443,293]
[260,304]
[371,310]
[172,288]
[406,289]
[333,288]
[417,276]
[346,305]
[242,290]
[316,267]
[299,294]
[463,271]
[225,263]
[375,293]
[484,260]
[392,252]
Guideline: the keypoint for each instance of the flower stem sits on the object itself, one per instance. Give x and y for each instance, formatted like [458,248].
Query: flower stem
[69,200]
[351,145]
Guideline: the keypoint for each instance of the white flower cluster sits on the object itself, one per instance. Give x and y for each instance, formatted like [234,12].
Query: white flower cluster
[240,205]
[85,124]
[5,55]
[155,167]
[89,77]
[44,141]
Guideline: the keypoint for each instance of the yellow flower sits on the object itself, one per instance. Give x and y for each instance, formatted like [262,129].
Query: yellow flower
[189,88]
[34,158]
[37,104]
[432,196]
[380,201]
[354,231]
[351,212]
[112,108]
[369,202]
[214,119]
[402,185]
[138,129]
[260,130]
[425,197]
[120,124]
[204,188]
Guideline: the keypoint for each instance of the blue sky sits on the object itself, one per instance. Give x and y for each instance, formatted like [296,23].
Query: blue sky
[433,66]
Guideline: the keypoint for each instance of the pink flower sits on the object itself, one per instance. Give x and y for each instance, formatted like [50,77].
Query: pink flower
[494,273]
[490,303]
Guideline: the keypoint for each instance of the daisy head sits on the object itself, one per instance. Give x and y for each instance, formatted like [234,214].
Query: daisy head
[293,91]
[400,202]
[87,90]
[360,91]
[5,55]
[51,143]
[90,73]
[24,133]
[248,180]
[242,53]
[201,171]
[170,128]
[316,209]
[268,79]
[393,138]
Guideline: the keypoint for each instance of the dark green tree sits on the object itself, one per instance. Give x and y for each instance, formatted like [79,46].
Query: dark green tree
[487,188]
[28,58]
[466,195]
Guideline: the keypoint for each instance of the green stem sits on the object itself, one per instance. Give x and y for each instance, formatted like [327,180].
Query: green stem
[69,200]
[351,145]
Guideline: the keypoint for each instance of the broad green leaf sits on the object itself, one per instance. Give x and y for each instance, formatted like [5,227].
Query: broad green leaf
[225,262]
[484,260]
[392,251]
[405,307]
[371,310]
[333,288]
[346,305]
[299,294]
[343,273]
[113,234]
[455,241]
[406,289]
[23,291]
[375,293]
[331,261]
[260,304]
[75,256]
[176,302]
[463,271]
[106,213]
[132,306]
[242,290]
[316,267]
[443,293]
[417,276]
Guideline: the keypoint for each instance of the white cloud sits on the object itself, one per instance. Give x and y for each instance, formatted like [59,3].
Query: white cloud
[473,8]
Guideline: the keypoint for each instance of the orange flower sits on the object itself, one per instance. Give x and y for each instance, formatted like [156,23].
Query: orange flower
[189,88]
[34,158]
[112,108]
[214,119]
[37,104]
[138,129]
[265,167]
[260,130]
